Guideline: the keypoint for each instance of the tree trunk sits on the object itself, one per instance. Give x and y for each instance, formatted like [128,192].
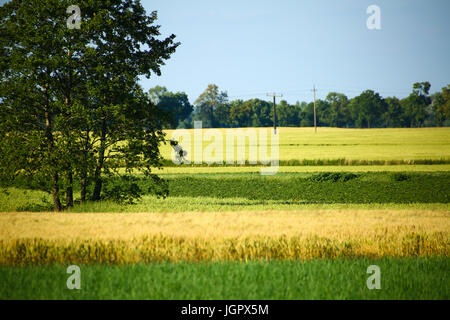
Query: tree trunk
[69,189]
[83,189]
[55,192]
[50,146]
[98,170]
[84,172]
[97,186]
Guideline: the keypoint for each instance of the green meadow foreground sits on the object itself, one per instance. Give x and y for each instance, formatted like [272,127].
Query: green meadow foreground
[343,200]
[412,278]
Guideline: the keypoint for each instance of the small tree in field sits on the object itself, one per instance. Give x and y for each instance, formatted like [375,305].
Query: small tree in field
[70,104]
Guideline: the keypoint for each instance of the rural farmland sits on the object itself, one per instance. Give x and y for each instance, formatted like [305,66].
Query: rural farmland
[225,151]
[344,215]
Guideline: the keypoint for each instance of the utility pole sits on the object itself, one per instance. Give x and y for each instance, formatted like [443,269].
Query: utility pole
[315,123]
[274,111]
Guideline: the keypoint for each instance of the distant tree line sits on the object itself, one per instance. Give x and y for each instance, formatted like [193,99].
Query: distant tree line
[367,110]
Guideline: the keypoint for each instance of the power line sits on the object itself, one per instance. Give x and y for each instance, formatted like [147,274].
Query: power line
[346,89]
[247,95]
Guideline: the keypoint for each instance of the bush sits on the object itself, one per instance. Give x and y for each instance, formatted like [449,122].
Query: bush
[333,176]
[127,189]
[400,176]
[124,189]
[36,207]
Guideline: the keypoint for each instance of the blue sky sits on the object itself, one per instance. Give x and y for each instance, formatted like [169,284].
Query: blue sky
[249,48]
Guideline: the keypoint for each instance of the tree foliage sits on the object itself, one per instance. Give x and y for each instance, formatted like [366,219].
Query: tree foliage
[70,97]
[176,105]
[208,103]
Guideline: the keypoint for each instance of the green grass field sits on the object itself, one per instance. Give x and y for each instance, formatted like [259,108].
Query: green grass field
[251,191]
[414,278]
[344,199]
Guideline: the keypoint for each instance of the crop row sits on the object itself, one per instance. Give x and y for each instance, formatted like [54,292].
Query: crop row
[163,248]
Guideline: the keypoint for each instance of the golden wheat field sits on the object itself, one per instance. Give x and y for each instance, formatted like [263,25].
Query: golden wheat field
[223,236]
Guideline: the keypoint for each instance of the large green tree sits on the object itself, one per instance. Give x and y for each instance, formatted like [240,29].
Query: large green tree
[288,114]
[415,105]
[70,96]
[367,109]
[262,113]
[339,114]
[241,114]
[307,115]
[393,114]
[441,106]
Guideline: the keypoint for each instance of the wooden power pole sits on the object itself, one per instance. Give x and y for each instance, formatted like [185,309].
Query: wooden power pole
[315,121]
[274,110]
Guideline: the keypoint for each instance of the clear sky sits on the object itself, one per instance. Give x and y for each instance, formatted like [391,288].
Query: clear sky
[249,48]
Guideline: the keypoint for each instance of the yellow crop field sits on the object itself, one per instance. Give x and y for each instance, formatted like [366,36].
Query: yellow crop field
[221,236]
[350,144]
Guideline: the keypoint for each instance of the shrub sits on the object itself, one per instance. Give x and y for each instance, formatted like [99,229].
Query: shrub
[124,189]
[333,176]
[36,207]
[400,176]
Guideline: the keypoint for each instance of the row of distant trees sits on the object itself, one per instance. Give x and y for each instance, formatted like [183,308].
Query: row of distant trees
[367,110]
